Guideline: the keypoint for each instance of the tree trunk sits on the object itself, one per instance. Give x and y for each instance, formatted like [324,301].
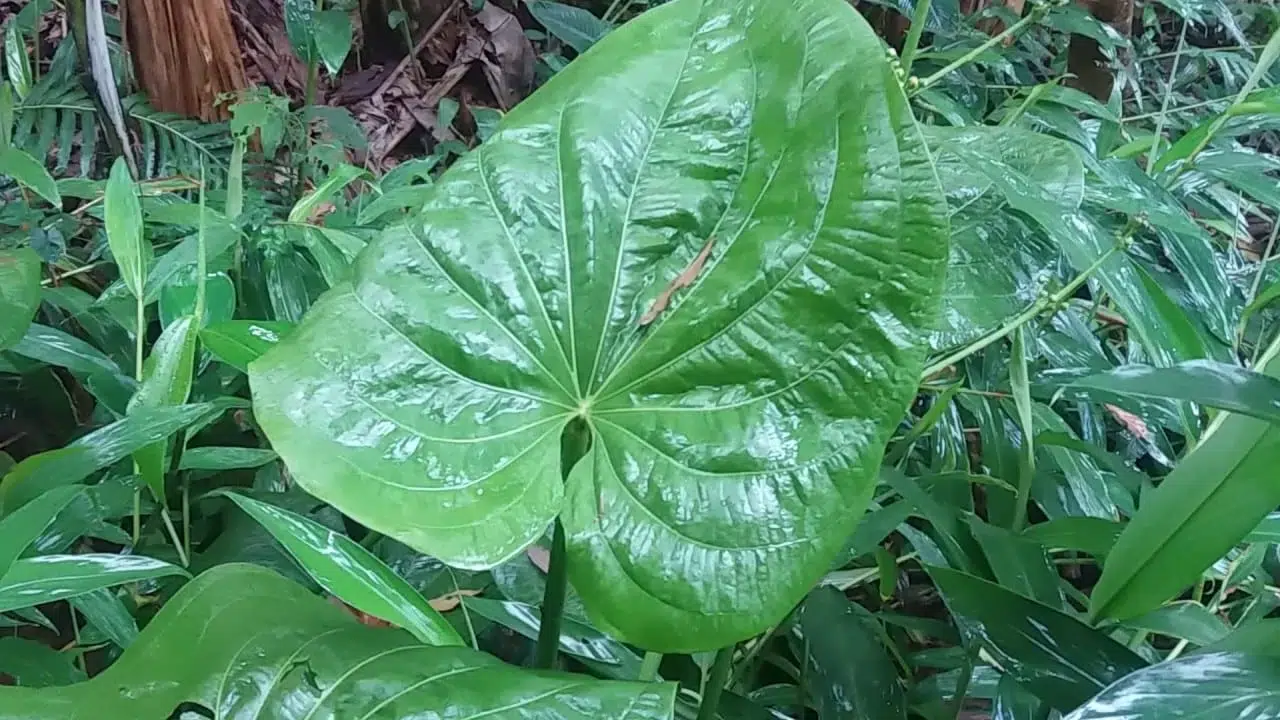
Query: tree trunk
[185,54]
[1085,59]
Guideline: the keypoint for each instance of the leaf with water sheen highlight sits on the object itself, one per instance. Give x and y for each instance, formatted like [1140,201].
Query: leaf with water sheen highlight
[344,568]
[19,293]
[242,642]
[735,440]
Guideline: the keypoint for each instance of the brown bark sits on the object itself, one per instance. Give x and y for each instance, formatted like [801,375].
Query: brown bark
[1085,59]
[185,54]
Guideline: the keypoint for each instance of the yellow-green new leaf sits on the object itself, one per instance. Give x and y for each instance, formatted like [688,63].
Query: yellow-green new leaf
[123,216]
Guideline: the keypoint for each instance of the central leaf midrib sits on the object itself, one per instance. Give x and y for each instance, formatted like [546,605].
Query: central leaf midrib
[635,185]
[606,394]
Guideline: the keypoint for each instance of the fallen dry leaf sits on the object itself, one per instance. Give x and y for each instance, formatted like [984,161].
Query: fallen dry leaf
[363,617]
[445,603]
[1132,423]
[539,556]
[683,280]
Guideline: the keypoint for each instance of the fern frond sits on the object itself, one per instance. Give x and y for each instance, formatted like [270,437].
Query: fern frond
[58,115]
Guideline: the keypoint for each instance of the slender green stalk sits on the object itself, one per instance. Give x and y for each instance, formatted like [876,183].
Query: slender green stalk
[1030,19]
[308,99]
[918,20]
[573,446]
[186,517]
[139,347]
[553,602]
[1018,320]
[713,688]
[1021,387]
[1164,104]
[174,537]
[616,8]
[649,667]
[962,684]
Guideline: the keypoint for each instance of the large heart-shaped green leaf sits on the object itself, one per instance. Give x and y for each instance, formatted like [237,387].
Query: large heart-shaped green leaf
[759,153]
[242,642]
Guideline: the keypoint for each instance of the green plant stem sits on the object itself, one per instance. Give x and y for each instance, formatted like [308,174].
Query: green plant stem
[713,688]
[962,683]
[308,99]
[1030,19]
[1164,104]
[1018,320]
[553,602]
[912,43]
[174,537]
[140,320]
[616,8]
[649,667]
[186,517]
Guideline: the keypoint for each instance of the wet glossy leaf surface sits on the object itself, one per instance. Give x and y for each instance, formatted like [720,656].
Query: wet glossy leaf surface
[240,342]
[999,263]
[46,578]
[242,642]
[576,638]
[1216,495]
[225,458]
[735,438]
[850,674]
[344,568]
[1214,384]
[166,382]
[1221,686]
[22,527]
[100,448]
[1057,657]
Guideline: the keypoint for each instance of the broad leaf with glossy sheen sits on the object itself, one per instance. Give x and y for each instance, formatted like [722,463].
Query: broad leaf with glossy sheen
[242,642]
[1217,686]
[759,153]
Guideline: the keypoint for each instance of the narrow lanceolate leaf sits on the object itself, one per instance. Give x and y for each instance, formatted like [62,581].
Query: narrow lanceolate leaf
[55,347]
[19,293]
[100,448]
[48,578]
[1222,686]
[1209,383]
[850,674]
[344,568]
[21,528]
[342,176]
[1060,659]
[242,642]
[167,373]
[123,215]
[225,458]
[166,382]
[240,342]
[29,173]
[735,438]
[1215,496]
